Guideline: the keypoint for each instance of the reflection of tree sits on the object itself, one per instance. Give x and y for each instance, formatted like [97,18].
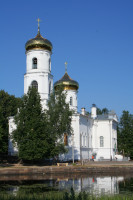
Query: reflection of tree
[35,189]
[126,186]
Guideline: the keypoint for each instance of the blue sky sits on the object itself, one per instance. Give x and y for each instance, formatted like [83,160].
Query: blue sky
[95,37]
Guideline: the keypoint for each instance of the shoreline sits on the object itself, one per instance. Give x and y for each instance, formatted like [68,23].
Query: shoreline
[91,168]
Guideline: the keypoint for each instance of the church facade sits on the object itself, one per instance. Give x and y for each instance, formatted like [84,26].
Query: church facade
[94,136]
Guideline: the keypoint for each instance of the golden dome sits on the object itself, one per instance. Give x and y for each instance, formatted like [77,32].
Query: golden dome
[67,83]
[38,42]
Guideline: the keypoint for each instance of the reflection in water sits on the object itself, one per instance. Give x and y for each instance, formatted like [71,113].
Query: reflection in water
[13,190]
[108,185]
[93,185]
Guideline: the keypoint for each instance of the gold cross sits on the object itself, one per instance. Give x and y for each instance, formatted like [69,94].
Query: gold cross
[38,24]
[65,66]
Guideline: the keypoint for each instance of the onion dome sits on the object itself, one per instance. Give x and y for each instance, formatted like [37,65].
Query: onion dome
[38,42]
[67,83]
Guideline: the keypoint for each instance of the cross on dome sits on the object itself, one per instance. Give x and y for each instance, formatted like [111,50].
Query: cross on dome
[38,42]
[38,20]
[66,67]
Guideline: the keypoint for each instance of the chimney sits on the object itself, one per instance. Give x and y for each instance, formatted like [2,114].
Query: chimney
[83,111]
[93,111]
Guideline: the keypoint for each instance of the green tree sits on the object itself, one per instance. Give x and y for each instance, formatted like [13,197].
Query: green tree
[125,134]
[1,134]
[31,133]
[102,111]
[59,121]
[40,134]
[8,107]
[105,111]
[99,111]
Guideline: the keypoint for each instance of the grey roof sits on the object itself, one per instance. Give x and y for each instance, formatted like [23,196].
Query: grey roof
[110,115]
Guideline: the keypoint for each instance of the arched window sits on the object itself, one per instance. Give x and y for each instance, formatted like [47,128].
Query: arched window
[101,141]
[71,101]
[34,84]
[82,139]
[34,63]
[49,87]
[65,139]
[49,64]
[85,140]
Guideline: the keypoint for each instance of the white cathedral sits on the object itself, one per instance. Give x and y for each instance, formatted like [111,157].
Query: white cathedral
[93,135]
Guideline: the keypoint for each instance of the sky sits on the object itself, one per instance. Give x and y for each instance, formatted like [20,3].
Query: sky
[95,37]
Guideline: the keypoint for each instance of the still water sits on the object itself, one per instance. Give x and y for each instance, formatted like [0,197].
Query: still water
[96,185]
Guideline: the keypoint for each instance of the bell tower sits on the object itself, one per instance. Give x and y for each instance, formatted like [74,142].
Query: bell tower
[38,66]
[70,86]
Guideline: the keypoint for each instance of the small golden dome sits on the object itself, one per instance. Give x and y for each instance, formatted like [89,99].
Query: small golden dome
[38,42]
[67,83]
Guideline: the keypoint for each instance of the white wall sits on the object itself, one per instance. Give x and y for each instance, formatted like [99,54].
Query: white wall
[42,74]
[104,128]
[73,141]
[73,94]
[87,132]
[43,60]
[84,137]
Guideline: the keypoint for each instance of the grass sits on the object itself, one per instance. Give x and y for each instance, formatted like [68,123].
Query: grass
[62,196]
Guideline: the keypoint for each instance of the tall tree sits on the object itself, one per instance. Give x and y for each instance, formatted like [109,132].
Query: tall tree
[125,134]
[31,133]
[8,107]
[40,134]
[59,121]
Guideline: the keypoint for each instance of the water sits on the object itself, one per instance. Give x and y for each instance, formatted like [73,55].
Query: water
[96,185]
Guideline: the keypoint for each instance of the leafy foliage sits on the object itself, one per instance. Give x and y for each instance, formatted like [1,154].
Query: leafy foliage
[8,107]
[125,134]
[31,132]
[39,133]
[102,111]
[59,121]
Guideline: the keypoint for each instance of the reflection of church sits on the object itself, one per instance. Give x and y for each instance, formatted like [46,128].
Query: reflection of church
[107,185]
[92,134]
[96,186]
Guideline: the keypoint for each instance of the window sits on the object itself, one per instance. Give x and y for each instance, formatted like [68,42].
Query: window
[81,139]
[34,63]
[84,141]
[71,101]
[101,141]
[65,139]
[49,64]
[34,84]
[49,87]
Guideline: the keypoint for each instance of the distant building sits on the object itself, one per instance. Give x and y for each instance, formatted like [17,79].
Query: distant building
[93,135]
